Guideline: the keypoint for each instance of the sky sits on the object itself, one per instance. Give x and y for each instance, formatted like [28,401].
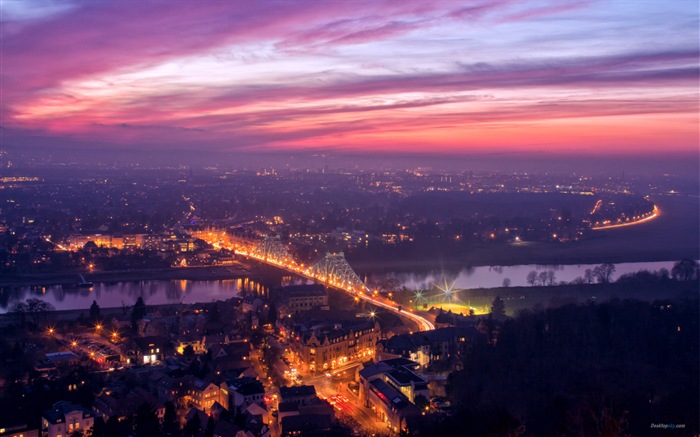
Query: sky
[564,77]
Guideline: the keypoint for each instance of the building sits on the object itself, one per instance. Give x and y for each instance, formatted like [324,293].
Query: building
[296,298]
[391,389]
[122,403]
[202,394]
[327,346]
[63,359]
[301,411]
[299,394]
[147,350]
[66,418]
[197,342]
[246,391]
[18,430]
[427,347]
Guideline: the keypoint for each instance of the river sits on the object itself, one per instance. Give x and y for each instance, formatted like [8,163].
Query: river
[492,277]
[160,292]
[118,294]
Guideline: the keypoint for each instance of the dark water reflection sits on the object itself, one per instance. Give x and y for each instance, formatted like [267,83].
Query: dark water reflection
[110,295]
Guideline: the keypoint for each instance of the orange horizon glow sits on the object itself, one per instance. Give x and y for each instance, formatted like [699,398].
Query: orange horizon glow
[354,77]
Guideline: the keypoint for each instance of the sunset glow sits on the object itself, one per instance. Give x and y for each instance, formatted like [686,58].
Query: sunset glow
[445,77]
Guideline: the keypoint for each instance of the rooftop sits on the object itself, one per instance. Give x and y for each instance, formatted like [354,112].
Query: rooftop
[59,410]
[301,390]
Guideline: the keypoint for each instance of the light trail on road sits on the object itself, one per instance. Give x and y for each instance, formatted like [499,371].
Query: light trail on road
[654,215]
[423,323]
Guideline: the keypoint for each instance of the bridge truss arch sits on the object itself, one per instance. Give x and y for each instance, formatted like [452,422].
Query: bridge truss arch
[271,250]
[333,269]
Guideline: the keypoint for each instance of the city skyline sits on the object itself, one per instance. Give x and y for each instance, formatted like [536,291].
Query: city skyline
[375,78]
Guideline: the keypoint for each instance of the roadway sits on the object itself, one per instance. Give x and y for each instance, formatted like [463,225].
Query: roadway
[655,213]
[347,405]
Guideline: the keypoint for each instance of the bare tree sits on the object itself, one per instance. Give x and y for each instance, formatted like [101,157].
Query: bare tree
[588,276]
[532,278]
[685,270]
[603,272]
[38,309]
[506,282]
[550,277]
[542,277]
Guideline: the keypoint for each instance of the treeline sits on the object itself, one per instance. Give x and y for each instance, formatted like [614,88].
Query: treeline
[609,369]
[683,270]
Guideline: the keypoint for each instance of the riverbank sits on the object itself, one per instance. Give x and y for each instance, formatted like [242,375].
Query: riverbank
[528,298]
[238,270]
[106,314]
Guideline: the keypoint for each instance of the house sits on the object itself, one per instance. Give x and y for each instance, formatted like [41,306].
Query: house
[147,350]
[63,359]
[202,394]
[258,412]
[197,342]
[391,390]
[121,404]
[246,391]
[65,418]
[429,346]
[228,429]
[315,406]
[390,405]
[300,394]
[18,430]
[238,349]
[216,339]
[305,423]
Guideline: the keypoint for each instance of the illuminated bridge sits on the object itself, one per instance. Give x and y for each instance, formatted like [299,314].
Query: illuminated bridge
[332,270]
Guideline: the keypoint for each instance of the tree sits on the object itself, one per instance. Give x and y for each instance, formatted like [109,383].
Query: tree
[138,312]
[603,273]
[188,351]
[146,422]
[37,308]
[193,426]
[214,313]
[19,312]
[506,282]
[550,277]
[421,402]
[685,270]
[532,278]
[498,308]
[94,311]
[588,276]
[209,431]
[170,426]
[272,314]
[542,277]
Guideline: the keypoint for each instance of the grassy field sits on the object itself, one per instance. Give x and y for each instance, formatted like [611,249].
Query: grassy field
[520,298]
